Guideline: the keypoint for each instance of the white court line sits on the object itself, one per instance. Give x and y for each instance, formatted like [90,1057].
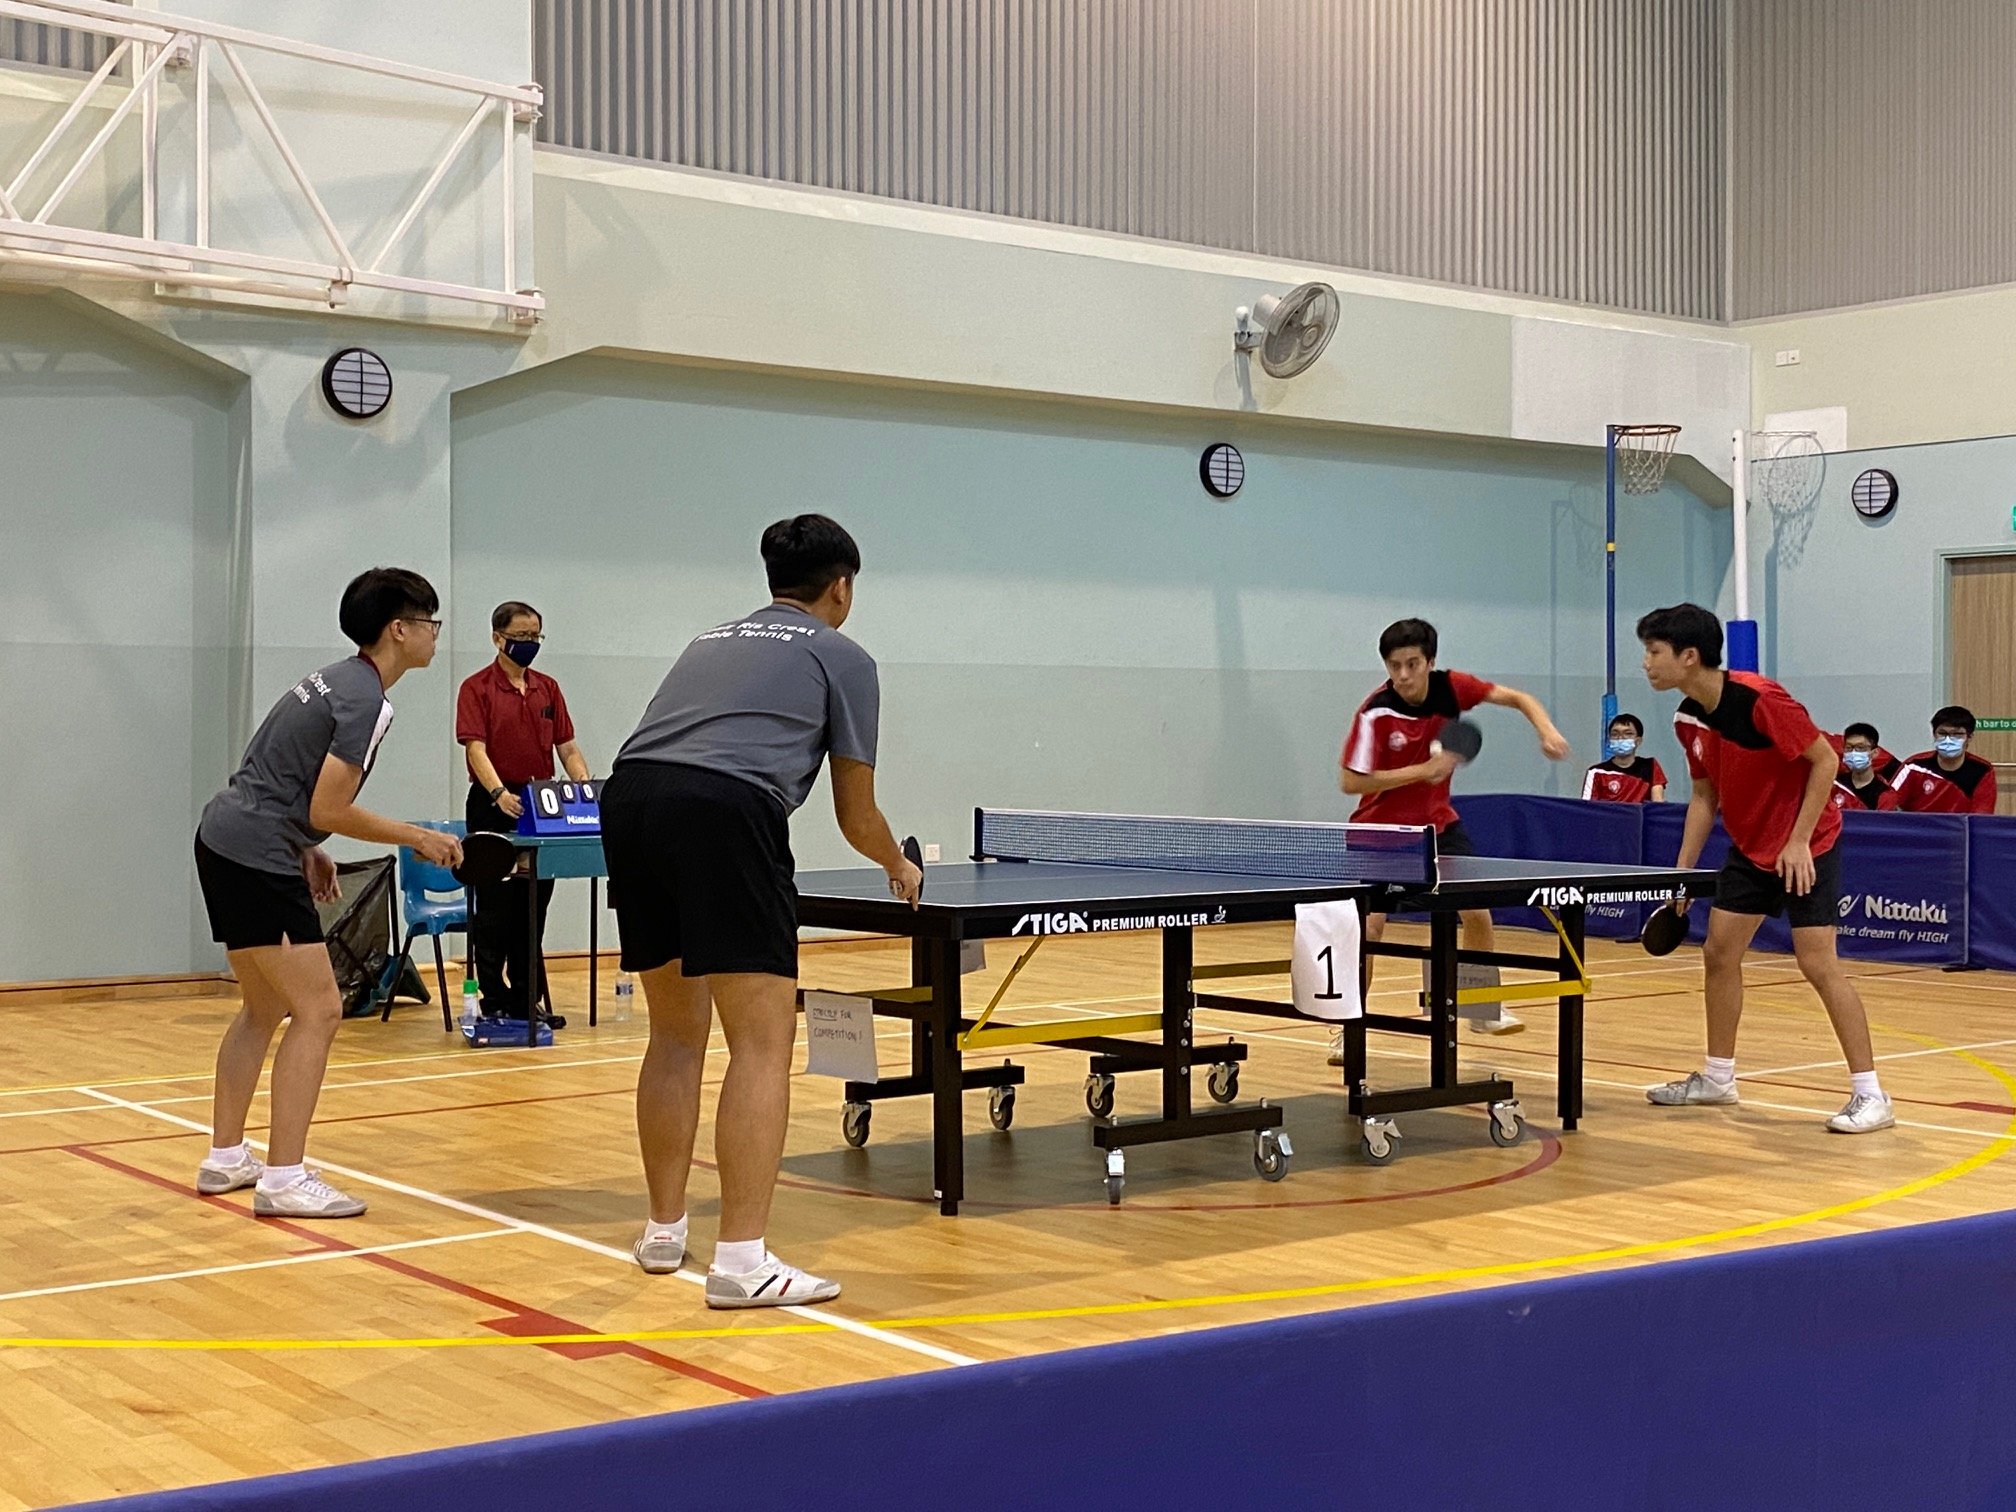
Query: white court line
[1894,1055]
[469,1209]
[252,1265]
[48,1112]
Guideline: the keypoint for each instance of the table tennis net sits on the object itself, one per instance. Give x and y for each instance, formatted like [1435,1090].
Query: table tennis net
[1400,854]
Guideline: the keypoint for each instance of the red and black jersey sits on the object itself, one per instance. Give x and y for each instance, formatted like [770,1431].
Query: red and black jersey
[1874,794]
[1387,732]
[1752,746]
[1607,782]
[1925,787]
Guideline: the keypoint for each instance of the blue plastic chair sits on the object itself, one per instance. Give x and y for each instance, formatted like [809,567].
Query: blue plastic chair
[435,904]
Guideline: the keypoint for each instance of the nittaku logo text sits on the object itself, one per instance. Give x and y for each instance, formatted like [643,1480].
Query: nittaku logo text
[1895,910]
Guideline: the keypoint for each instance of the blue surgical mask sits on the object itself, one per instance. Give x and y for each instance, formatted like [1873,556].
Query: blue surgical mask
[1623,747]
[1950,745]
[521,651]
[1857,761]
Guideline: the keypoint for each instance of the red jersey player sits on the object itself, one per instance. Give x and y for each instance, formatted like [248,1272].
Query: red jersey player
[1626,777]
[1756,755]
[1946,779]
[1398,774]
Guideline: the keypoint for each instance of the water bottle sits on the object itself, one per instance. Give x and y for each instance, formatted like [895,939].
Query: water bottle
[471,1008]
[626,991]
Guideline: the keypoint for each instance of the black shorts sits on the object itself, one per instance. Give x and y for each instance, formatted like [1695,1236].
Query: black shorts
[700,871]
[1455,841]
[249,907]
[1744,887]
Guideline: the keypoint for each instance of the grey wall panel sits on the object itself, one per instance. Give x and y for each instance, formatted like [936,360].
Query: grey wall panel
[1564,148]
[1872,150]
[51,46]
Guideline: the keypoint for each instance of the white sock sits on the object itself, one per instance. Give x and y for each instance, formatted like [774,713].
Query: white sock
[1863,1084]
[224,1156]
[1719,1071]
[675,1231]
[278,1178]
[737,1257]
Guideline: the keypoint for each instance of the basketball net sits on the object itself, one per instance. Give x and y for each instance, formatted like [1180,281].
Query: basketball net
[1642,454]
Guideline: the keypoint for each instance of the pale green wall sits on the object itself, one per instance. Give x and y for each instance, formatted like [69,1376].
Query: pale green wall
[1856,626]
[119,579]
[1063,617]
[1922,370]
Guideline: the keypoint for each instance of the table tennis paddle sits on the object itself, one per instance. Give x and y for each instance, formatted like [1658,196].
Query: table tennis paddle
[486,858]
[1664,930]
[1461,739]
[914,854]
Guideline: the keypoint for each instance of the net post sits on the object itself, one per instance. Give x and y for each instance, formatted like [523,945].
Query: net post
[1609,582]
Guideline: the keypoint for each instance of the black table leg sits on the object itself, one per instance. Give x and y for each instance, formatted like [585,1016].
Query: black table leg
[948,1147]
[535,954]
[594,925]
[1568,1069]
[1177,956]
[1444,975]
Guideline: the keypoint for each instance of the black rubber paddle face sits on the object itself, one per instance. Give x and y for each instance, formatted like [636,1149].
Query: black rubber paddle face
[1462,739]
[914,854]
[1663,931]
[485,858]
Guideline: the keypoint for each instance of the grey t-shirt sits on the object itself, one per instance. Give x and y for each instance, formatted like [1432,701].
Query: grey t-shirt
[260,820]
[764,698]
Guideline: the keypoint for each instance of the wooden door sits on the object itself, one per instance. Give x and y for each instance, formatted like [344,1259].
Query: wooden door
[1981,642]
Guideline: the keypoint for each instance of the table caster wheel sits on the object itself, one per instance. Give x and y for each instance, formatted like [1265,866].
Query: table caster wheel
[1271,1153]
[1223,1083]
[1116,1175]
[1379,1141]
[1001,1107]
[1099,1096]
[1506,1124]
[854,1120]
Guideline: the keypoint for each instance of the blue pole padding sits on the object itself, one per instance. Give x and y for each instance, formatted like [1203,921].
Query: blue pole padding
[1742,646]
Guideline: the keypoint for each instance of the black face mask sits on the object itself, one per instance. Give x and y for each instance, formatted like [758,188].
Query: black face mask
[521,651]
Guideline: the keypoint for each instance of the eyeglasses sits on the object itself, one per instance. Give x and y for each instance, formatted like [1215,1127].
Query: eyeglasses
[523,640]
[414,619]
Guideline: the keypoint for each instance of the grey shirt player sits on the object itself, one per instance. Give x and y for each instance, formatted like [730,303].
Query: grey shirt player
[764,698]
[260,820]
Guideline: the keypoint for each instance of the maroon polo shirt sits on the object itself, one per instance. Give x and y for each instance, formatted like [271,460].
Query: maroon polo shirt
[518,729]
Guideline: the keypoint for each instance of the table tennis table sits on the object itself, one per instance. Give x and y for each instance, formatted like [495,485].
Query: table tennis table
[1037,874]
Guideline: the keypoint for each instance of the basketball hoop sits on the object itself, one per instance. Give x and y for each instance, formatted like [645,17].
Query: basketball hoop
[1642,454]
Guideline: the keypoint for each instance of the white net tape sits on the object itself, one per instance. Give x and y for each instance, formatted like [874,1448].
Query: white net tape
[1642,454]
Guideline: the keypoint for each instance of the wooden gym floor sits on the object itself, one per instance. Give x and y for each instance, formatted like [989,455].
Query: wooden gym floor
[150,1338]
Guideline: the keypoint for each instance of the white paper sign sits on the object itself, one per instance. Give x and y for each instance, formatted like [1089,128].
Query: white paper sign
[840,1036]
[972,956]
[1471,976]
[1324,966]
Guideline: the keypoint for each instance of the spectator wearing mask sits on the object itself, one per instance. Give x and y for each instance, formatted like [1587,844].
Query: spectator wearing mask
[1947,779]
[1626,777]
[1860,782]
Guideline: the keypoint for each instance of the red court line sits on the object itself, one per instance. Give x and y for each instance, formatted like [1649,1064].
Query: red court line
[520,1320]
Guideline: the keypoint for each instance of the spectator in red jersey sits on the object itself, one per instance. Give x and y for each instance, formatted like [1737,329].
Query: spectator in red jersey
[1947,779]
[1626,777]
[1881,762]
[1399,774]
[1860,784]
[1756,756]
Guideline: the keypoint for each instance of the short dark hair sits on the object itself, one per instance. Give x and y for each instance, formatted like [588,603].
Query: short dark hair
[1866,731]
[376,598]
[510,609]
[1685,627]
[1401,634]
[1637,725]
[1953,714]
[804,555]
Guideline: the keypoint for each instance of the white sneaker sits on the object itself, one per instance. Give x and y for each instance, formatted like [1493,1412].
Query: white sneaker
[1693,1090]
[771,1284]
[659,1256]
[310,1197]
[1336,1048]
[216,1180]
[1505,1023]
[1863,1115]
